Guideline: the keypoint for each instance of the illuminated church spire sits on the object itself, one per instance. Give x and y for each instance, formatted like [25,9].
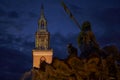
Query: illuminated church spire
[42,23]
[42,34]
[42,51]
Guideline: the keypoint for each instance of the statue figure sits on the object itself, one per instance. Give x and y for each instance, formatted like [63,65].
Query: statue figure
[86,39]
[71,50]
[43,66]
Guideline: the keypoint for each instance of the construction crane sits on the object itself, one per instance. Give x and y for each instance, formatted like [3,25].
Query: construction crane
[70,14]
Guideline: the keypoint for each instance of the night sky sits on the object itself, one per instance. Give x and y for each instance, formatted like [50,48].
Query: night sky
[18,24]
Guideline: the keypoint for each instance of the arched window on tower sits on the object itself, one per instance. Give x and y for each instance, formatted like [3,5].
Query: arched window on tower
[42,63]
[42,24]
[42,59]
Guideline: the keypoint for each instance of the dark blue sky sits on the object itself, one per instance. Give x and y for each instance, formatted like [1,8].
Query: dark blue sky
[18,23]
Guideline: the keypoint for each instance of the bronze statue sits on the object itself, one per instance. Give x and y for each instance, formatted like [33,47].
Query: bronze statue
[86,39]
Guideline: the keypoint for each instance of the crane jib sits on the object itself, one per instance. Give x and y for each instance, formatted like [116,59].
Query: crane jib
[70,14]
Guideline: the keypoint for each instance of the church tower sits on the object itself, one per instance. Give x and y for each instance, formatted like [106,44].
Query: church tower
[42,51]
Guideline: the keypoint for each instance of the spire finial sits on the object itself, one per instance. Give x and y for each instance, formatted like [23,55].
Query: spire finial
[42,6]
[42,10]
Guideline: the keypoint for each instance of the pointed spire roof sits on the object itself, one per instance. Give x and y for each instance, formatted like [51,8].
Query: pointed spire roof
[42,22]
[42,11]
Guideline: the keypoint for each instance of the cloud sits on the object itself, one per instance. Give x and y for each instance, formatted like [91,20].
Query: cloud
[2,12]
[13,64]
[16,42]
[32,14]
[110,38]
[8,13]
[106,24]
[6,22]
[59,44]
[10,18]
[109,16]
[14,60]
[13,14]
[75,8]
[3,3]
